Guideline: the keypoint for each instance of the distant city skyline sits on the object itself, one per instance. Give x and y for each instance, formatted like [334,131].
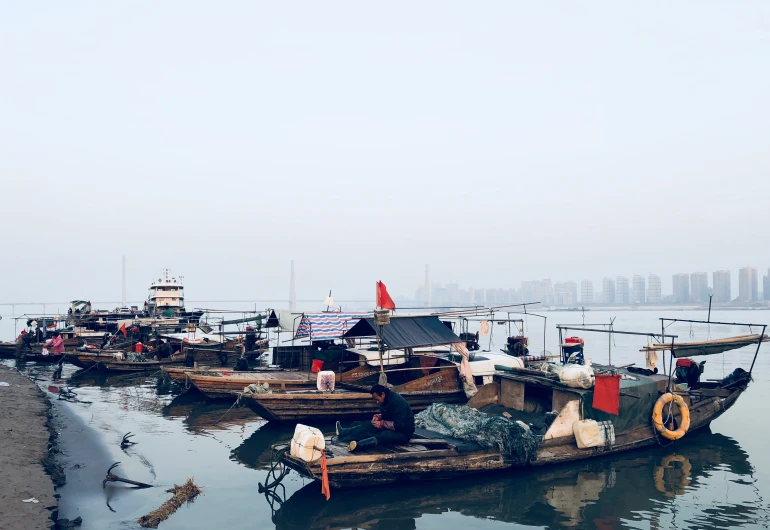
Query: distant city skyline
[686,288]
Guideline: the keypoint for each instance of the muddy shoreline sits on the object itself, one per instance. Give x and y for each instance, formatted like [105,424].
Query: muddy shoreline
[27,455]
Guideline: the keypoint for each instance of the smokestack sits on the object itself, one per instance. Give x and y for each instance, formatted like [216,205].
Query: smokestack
[123,299]
[428,293]
[292,291]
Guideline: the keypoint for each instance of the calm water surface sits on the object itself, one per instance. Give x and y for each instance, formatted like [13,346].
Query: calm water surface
[715,479]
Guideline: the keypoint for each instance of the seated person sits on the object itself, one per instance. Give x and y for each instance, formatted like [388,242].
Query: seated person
[164,352]
[393,425]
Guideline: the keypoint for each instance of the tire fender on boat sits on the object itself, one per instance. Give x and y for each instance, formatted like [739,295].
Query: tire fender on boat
[657,416]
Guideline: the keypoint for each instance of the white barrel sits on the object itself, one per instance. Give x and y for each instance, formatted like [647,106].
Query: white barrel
[307,443]
[325,381]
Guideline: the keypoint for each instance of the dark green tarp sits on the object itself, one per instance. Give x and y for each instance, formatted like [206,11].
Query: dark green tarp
[406,332]
[633,411]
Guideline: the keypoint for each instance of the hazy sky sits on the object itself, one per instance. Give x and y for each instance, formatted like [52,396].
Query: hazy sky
[497,141]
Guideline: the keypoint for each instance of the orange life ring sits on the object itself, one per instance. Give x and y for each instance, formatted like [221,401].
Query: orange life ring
[657,416]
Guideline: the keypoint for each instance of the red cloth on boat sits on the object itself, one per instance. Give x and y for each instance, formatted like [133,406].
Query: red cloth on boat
[607,393]
[325,490]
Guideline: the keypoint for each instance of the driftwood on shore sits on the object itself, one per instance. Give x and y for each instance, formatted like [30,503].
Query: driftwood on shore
[184,493]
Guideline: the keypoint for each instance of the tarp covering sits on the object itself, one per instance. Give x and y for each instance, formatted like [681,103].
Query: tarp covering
[468,424]
[708,347]
[327,326]
[406,332]
[636,401]
[243,320]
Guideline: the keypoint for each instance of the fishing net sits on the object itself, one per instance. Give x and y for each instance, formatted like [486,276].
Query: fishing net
[257,388]
[468,424]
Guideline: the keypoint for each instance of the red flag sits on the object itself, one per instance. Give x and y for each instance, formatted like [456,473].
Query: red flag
[607,393]
[383,298]
[123,330]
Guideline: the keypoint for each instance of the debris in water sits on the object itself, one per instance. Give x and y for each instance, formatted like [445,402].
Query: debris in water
[125,442]
[185,493]
[114,478]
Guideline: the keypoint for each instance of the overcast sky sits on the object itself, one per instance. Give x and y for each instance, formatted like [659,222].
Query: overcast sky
[497,141]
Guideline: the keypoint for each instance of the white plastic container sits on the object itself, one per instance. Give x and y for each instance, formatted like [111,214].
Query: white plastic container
[577,376]
[307,443]
[590,433]
[325,381]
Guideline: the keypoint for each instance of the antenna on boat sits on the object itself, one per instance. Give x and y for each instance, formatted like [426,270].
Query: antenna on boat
[292,291]
[123,299]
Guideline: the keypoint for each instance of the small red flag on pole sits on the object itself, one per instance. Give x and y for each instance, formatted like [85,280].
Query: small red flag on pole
[383,298]
[123,330]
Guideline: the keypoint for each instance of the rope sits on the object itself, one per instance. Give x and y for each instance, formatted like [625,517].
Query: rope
[237,401]
[275,463]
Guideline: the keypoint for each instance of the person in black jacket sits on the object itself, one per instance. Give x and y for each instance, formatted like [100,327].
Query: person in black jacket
[393,425]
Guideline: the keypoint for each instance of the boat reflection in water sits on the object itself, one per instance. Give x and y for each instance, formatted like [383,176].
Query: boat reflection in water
[201,416]
[682,487]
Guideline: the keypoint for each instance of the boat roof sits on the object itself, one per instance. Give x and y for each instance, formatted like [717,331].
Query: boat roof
[406,332]
[327,325]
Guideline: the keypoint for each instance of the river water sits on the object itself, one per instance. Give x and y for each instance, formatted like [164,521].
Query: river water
[714,479]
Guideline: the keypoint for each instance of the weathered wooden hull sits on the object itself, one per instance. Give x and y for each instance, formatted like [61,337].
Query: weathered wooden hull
[324,407]
[229,384]
[376,470]
[135,366]
[8,351]
[40,358]
[369,469]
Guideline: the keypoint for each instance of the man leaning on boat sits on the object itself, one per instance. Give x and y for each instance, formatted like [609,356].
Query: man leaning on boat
[393,425]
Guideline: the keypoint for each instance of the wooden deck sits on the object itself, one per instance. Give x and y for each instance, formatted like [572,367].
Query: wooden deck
[420,459]
[224,383]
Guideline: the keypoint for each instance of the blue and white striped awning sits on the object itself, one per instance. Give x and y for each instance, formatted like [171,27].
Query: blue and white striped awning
[327,326]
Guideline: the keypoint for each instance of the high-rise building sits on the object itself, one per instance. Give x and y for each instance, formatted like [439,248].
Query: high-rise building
[681,289]
[748,285]
[721,281]
[547,292]
[622,291]
[587,292]
[699,287]
[654,293]
[608,291]
[766,286]
[479,297]
[637,292]
[526,293]
[560,295]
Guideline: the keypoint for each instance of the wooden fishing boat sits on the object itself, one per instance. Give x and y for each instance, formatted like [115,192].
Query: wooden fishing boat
[86,359]
[420,379]
[115,365]
[443,457]
[224,383]
[565,496]
[420,383]
[556,413]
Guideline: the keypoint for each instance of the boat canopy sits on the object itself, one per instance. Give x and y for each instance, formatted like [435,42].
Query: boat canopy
[406,332]
[327,326]
[707,347]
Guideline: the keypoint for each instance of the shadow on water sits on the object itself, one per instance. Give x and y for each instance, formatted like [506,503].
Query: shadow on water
[200,415]
[603,493]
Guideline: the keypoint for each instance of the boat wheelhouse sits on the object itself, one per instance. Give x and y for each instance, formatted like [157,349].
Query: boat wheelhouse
[166,297]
